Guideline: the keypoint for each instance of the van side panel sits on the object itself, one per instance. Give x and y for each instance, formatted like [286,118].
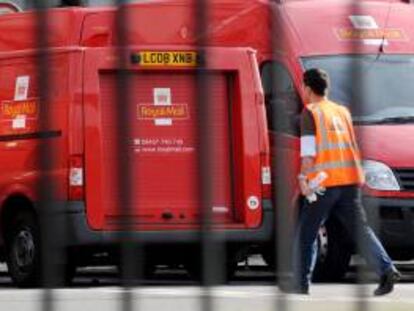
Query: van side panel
[21,133]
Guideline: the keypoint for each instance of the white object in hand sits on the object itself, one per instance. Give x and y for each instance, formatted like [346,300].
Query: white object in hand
[315,185]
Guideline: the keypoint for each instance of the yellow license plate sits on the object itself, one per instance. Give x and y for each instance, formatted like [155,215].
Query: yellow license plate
[171,58]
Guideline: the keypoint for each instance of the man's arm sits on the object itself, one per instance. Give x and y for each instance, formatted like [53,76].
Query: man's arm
[307,149]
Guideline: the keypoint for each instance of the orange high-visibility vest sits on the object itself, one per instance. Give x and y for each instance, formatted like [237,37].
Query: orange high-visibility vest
[337,151]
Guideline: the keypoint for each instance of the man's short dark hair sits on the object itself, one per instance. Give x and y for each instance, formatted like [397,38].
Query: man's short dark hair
[318,80]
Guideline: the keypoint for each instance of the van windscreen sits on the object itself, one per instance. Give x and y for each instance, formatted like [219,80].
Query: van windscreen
[377,88]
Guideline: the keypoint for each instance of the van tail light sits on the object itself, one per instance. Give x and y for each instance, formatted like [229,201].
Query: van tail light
[266,176]
[76,178]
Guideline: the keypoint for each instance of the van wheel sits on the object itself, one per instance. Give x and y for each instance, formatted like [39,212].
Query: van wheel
[23,251]
[334,254]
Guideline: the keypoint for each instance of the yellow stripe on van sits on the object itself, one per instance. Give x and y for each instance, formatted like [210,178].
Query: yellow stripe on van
[170,58]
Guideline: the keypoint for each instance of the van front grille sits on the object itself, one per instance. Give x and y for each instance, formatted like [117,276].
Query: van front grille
[405,177]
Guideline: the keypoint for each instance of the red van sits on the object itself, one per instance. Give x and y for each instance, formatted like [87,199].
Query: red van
[83,66]
[370,40]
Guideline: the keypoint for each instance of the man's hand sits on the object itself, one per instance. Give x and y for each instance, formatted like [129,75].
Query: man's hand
[304,187]
[307,164]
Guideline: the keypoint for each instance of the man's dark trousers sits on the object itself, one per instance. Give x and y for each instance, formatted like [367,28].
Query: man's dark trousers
[344,203]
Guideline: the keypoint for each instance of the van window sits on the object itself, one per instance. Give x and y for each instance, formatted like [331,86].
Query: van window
[377,88]
[283,105]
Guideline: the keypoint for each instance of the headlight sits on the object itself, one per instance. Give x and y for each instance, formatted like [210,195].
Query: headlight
[379,176]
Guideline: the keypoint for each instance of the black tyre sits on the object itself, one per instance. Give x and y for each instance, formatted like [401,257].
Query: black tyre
[24,254]
[334,254]
[23,251]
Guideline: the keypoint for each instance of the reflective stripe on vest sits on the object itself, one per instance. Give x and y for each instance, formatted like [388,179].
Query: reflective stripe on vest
[333,165]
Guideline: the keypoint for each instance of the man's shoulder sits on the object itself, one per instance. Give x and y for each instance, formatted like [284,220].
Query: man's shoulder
[337,104]
[342,108]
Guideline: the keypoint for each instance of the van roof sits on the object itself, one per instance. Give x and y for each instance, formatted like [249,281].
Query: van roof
[333,30]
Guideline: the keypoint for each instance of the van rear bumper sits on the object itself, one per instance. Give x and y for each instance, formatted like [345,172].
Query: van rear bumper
[393,221]
[78,232]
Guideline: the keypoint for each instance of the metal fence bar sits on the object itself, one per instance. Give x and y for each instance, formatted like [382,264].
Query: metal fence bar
[49,248]
[124,180]
[281,168]
[361,303]
[204,146]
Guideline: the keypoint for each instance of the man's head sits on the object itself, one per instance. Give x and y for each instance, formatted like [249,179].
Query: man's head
[316,83]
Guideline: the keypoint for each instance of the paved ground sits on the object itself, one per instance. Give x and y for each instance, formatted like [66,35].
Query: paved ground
[237,298]
[98,289]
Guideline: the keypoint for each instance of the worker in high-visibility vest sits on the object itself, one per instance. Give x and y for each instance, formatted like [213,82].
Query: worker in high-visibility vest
[330,156]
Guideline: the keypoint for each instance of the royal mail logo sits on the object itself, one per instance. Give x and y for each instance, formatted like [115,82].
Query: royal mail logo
[162,111]
[12,109]
[371,34]
[151,112]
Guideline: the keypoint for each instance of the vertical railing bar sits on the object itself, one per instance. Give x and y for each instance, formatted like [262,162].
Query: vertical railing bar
[280,197]
[45,162]
[358,85]
[204,152]
[124,180]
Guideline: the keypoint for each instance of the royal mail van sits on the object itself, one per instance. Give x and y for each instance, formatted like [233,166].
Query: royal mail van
[163,140]
[367,47]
